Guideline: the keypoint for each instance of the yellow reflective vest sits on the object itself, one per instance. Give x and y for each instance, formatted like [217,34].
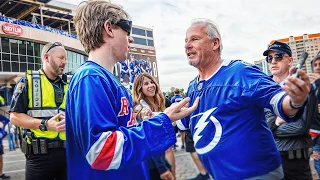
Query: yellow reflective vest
[1,101]
[42,104]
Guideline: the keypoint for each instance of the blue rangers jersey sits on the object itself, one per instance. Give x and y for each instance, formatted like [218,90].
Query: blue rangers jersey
[103,141]
[229,129]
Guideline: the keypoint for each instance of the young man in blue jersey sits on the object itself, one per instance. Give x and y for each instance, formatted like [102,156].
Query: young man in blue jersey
[103,140]
[229,129]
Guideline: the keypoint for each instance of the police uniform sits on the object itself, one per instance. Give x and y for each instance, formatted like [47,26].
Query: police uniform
[40,97]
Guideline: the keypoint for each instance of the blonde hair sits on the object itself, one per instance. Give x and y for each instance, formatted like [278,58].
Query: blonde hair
[158,98]
[90,18]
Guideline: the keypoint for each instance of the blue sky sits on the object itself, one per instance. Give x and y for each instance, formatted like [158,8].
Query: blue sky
[246,26]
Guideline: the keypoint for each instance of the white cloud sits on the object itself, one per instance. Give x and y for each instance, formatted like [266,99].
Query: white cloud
[247,26]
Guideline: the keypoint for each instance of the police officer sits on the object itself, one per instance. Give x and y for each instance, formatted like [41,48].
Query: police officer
[37,106]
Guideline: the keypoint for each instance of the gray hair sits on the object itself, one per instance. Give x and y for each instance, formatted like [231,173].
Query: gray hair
[212,29]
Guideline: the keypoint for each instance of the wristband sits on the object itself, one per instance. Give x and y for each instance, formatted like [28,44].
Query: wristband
[296,106]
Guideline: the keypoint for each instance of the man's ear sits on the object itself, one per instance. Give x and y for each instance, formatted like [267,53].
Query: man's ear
[216,43]
[108,27]
[46,57]
[290,61]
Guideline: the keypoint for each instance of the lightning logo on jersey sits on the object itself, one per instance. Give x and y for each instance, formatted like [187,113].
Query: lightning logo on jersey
[201,125]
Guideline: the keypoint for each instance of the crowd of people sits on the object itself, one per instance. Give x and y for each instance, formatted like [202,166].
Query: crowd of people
[235,121]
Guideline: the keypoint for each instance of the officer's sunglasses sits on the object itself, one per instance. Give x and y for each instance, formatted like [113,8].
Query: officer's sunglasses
[277,57]
[124,25]
[55,44]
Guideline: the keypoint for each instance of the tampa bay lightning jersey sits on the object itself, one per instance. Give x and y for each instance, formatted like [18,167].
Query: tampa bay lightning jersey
[124,66]
[229,129]
[176,98]
[103,141]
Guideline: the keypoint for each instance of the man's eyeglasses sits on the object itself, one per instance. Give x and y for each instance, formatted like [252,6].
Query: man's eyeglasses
[125,25]
[55,44]
[277,57]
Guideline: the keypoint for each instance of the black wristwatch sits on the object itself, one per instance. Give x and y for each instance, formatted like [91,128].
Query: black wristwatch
[43,125]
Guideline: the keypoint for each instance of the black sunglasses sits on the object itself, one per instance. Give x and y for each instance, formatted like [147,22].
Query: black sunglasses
[55,44]
[277,57]
[125,25]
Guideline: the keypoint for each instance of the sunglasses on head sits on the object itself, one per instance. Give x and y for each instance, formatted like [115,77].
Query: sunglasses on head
[277,57]
[55,44]
[124,25]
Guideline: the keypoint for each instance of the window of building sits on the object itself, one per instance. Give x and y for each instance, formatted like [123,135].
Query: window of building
[23,67]
[22,48]
[150,42]
[30,59]
[14,57]
[6,56]
[5,45]
[6,66]
[150,34]
[31,66]
[23,58]
[15,66]
[138,31]
[37,66]
[19,56]
[37,50]
[30,46]
[38,60]
[139,41]
[13,46]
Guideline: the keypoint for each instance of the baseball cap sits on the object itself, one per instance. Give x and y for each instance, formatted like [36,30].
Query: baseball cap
[278,47]
[316,57]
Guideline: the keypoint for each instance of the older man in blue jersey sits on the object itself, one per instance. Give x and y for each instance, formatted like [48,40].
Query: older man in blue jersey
[103,139]
[229,129]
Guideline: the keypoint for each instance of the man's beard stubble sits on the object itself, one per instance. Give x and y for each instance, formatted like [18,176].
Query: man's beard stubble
[55,68]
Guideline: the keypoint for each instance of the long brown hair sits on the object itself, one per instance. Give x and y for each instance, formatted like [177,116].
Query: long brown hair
[158,98]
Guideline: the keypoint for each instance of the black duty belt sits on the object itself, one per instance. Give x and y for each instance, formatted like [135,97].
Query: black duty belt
[56,144]
[297,154]
[41,146]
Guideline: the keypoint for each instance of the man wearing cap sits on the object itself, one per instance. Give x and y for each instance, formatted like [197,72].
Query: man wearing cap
[292,139]
[315,126]
[37,106]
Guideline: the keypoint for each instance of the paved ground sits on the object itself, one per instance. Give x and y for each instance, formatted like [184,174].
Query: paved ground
[14,164]
[185,168]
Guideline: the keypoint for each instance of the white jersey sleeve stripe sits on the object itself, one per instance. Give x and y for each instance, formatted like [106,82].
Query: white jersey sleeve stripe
[181,125]
[106,152]
[274,102]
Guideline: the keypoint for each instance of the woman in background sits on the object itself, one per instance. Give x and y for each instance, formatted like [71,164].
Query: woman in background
[147,96]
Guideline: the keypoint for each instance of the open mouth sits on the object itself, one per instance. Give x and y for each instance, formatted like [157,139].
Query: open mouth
[191,54]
